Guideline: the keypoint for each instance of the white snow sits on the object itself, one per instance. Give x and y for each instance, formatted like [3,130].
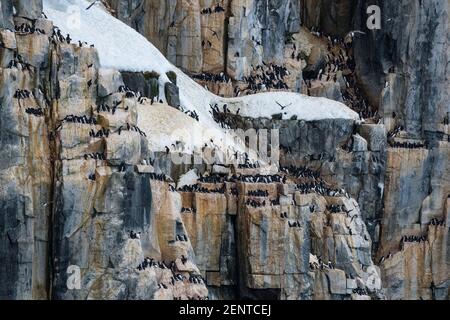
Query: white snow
[188,179]
[118,45]
[304,107]
[122,48]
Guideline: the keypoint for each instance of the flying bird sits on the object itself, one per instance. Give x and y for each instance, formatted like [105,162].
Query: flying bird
[283,107]
[92,4]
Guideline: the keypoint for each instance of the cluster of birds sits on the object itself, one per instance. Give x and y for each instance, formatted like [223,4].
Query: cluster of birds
[160,177]
[437,222]
[192,298]
[407,145]
[301,172]
[259,178]
[25,28]
[192,114]
[22,94]
[340,59]
[140,98]
[262,78]
[95,156]
[210,77]
[258,193]
[206,190]
[181,238]
[216,9]
[79,119]
[395,132]
[38,112]
[129,127]
[360,291]
[175,277]
[58,37]
[283,215]
[178,145]
[319,187]
[100,133]
[334,208]
[221,117]
[103,107]
[151,263]
[19,63]
[129,93]
[249,165]
[295,224]
[196,279]
[295,55]
[213,178]
[255,204]
[188,210]
[320,265]
[134,235]
[412,238]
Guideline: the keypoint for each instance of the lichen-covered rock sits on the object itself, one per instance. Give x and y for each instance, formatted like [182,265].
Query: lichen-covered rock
[80,192]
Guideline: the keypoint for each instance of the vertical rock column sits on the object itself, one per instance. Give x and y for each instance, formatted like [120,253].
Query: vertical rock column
[25,173]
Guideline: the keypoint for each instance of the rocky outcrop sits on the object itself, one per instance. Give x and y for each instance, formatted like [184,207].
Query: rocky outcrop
[332,17]
[76,183]
[405,73]
[198,40]
[410,55]
[403,76]
[26,174]
[357,213]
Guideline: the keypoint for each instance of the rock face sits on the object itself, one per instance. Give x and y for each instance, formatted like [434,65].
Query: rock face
[332,17]
[353,215]
[75,184]
[26,172]
[406,73]
[200,41]
[403,71]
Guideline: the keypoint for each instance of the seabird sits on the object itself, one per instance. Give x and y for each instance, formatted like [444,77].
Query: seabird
[90,6]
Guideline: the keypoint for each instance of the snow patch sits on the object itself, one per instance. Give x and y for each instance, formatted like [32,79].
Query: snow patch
[188,179]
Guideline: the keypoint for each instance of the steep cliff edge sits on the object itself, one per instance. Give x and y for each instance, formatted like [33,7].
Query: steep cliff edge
[402,70]
[89,178]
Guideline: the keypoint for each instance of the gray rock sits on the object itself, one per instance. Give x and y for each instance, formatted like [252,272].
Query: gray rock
[172,94]
[28,9]
[109,82]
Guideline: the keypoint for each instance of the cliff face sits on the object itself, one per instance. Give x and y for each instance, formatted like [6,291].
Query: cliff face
[75,191]
[64,203]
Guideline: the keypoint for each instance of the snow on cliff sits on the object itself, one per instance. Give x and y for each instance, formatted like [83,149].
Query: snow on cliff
[121,47]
